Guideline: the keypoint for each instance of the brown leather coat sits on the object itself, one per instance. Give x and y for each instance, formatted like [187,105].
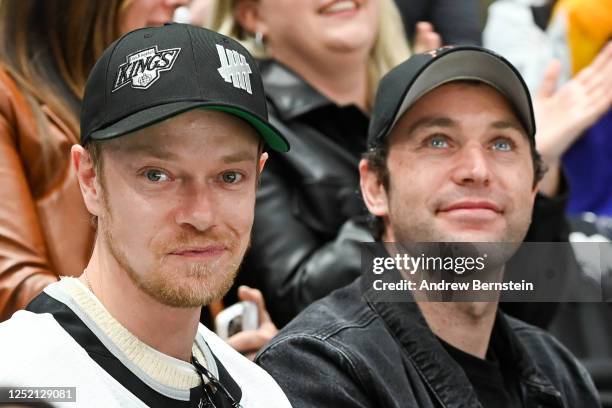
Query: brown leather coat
[44,225]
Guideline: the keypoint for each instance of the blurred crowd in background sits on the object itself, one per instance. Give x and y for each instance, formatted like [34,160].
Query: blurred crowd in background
[320,81]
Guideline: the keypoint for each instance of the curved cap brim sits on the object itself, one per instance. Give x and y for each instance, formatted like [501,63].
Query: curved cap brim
[469,63]
[150,116]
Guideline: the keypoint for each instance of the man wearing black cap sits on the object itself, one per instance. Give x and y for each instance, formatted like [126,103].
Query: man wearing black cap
[173,128]
[451,159]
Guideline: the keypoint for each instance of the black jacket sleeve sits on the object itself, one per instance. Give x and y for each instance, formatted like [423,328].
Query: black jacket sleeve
[292,263]
[314,373]
[549,224]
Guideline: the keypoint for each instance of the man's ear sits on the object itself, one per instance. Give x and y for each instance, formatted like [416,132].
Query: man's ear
[88,179]
[246,13]
[263,158]
[373,191]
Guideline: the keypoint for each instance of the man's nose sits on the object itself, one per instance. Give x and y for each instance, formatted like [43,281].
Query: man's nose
[472,166]
[196,208]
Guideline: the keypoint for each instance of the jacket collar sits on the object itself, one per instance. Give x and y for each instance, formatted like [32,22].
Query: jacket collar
[442,374]
[290,95]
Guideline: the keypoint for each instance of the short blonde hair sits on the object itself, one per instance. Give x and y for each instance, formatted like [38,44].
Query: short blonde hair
[390,47]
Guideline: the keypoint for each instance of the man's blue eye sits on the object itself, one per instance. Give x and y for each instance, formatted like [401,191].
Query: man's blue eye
[438,142]
[231,177]
[156,175]
[502,145]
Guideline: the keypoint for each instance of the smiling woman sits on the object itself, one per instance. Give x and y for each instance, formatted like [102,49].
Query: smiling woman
[320,33]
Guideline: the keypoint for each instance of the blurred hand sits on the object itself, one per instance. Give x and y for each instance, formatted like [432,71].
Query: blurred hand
[250,341]
[563,115]
[425,38]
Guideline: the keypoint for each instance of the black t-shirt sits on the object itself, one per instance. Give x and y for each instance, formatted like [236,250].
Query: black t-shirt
[493,378]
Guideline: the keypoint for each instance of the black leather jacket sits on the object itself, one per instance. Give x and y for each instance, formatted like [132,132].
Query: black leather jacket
[309,212]
[348,350]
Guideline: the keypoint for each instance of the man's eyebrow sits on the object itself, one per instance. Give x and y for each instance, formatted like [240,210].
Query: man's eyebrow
[438,121]
[508,124]
[150,150]
[157,152]
[238,157]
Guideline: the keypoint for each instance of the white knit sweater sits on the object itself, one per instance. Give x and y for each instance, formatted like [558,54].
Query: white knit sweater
[36,351]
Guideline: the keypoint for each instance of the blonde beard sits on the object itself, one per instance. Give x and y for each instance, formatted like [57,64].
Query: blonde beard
[197,286]
[194,286]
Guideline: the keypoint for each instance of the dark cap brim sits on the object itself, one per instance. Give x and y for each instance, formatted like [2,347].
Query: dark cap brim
[150,116]
[470,63]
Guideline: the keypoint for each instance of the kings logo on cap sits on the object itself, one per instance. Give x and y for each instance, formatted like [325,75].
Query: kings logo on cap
[143,67]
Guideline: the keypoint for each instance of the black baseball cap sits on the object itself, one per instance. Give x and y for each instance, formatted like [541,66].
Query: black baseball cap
[154,73]
[421,73]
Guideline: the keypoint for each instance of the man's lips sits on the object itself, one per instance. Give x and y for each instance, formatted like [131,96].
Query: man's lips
[471,205]
[200,251]
[471,212]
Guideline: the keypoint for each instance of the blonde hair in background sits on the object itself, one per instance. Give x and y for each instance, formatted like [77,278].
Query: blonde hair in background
[390,47]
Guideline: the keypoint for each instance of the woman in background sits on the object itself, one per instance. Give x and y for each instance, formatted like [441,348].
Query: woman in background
[47,49]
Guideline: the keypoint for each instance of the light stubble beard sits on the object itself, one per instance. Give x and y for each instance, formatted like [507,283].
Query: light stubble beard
[195,285]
